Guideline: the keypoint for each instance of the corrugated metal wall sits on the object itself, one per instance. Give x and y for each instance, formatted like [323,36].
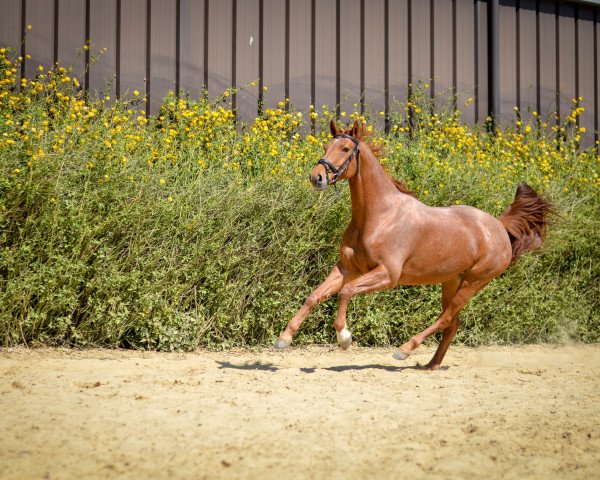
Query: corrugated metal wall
[335,52]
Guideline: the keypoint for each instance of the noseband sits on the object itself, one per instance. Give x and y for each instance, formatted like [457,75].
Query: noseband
[337,172]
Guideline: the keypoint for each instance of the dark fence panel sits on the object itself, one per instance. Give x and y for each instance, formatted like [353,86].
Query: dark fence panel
[368,53]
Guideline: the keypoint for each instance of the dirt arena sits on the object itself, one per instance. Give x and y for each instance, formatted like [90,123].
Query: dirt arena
[316,412]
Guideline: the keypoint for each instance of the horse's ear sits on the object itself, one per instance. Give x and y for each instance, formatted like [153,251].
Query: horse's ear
[356,129]
[332,127]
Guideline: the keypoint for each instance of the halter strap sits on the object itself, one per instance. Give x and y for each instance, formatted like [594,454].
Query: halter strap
[337,172]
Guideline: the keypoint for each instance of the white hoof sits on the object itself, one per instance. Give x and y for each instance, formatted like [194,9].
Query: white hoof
[400,355]
[344,338]
[282,344]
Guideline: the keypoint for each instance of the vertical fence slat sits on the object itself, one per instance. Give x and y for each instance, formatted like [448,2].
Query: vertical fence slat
[421,44]
[596,61]
[374,60]
[586,73]
[567,57]
[219,46]
[482,62]
[274,51]
[10,24]
[300,54]
[465,59]
[547,85]
[192,46]
[71,35]
[162,51]
[40,37]
[325,54]
[528,56]
[247,57]
[509,63]
[398,58]
[103,29]
[177,47]
[350,57]
[442,42]
[133,46]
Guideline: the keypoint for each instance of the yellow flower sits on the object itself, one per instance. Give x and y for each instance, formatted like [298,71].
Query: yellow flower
[162,181]
[135,93]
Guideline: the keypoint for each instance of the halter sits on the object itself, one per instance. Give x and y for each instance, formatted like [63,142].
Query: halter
[337,172]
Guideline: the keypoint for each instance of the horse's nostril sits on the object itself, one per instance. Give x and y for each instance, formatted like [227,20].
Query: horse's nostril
[320,178]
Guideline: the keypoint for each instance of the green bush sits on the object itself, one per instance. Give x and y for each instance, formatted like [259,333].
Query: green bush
[188,229]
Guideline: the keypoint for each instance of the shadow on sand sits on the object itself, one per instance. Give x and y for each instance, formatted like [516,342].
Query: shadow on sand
[258,365]
[269,367]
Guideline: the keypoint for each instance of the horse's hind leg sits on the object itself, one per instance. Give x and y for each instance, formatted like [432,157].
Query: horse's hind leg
[331,285]
[449,289]
[466,290]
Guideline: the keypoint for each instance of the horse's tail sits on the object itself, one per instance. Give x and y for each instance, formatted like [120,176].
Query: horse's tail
[526,220]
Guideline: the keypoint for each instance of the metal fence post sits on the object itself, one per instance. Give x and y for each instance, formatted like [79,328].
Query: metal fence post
[493,63]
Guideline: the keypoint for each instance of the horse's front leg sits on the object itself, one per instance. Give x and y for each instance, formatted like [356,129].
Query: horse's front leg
[376,279]
[332,284]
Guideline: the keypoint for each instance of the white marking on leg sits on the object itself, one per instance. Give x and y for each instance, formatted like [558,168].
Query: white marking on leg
[343,335]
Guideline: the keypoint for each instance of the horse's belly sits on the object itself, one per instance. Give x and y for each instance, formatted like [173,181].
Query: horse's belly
[438,265]
[426,276]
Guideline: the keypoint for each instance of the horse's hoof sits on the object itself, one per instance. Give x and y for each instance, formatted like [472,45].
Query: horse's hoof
[344,338]
[400,355]
[345,344]
[282,344]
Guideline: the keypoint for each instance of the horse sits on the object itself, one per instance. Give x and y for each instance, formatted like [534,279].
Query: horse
[395,239]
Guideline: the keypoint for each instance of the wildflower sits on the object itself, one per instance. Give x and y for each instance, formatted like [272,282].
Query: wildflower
[135,93]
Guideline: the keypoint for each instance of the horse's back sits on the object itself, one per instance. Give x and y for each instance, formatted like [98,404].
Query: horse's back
[449,241]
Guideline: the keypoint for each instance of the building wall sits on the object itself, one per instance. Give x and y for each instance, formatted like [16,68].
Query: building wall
[334,52]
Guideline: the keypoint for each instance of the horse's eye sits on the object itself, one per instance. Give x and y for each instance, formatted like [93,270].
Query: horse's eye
[345,149]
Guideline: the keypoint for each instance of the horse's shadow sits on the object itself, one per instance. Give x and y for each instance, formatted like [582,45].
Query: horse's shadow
[257,365]
[269,367]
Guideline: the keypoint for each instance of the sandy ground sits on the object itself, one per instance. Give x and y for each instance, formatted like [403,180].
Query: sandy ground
[316,412]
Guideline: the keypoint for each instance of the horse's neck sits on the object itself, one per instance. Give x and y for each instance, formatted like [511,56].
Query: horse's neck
[372,190]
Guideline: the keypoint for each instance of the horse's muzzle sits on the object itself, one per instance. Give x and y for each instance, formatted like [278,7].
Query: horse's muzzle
[318,178]
[319,182]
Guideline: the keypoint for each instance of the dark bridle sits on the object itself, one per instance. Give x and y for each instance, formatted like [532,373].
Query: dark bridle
[337,172]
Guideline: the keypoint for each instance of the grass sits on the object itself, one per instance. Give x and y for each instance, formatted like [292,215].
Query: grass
[188,229]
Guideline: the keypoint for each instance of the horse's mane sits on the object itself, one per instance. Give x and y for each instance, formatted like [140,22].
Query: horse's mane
[359,131]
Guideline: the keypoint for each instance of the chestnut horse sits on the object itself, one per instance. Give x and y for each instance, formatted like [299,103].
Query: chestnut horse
[394,239]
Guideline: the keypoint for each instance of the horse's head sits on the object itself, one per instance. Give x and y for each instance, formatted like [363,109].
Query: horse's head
[341,158]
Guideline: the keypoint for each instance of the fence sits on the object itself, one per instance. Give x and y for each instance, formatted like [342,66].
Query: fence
[534,54]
